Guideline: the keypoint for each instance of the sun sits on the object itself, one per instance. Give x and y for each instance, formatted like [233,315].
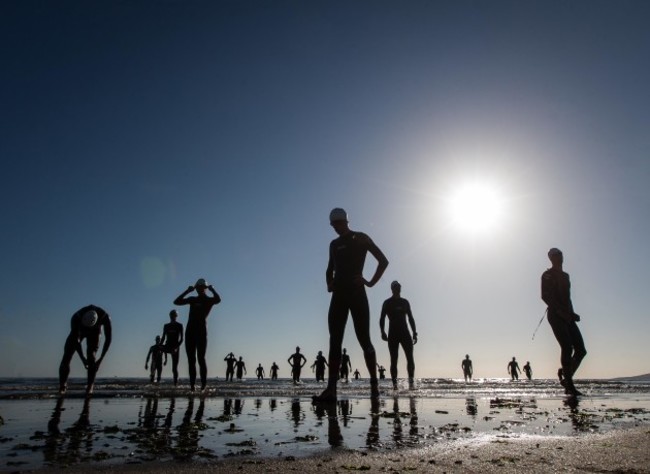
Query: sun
[476,207]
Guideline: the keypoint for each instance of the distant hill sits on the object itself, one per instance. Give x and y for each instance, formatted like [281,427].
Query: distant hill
[636,378]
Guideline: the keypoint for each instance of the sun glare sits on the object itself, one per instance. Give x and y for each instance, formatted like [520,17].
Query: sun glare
[476,207]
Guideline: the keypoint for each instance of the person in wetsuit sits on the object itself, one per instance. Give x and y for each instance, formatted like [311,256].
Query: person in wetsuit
[171,341]
[556,293]
[513,369]
[468,369]
[319,364]
[241,368]
[230,360]
[156,354]
[87,323]
[274,371]
[346,365]
[382,371]
[260,372]
[398,309]
[297,361]
[528,370]
[357,374]
[344,276]
[196,332]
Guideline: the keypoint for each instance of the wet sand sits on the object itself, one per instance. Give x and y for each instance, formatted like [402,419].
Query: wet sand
[623,451]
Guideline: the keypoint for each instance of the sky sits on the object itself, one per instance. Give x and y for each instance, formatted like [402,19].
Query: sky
[147,144]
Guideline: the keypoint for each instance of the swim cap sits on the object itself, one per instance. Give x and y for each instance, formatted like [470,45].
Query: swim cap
[201,283]
[554,251]
[89,319]
[338,214]
[395,283]
[173,312]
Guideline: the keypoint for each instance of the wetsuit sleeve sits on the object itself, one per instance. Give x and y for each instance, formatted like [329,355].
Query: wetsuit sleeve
[329,273]
[409,313]
[182,300]
[382,261]
[148,355]
[108,332]
[164,336]
[216,299]
[382,318]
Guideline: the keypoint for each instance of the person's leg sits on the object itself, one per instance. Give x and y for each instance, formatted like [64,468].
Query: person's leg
[407,345]
[175,357]
[92,345]
[159,372]
[361,318]
[579,351]
[201,348]
[152,371]
[393,350]
[190,350]
[64,367]
[336,319]
[296,373]
[563,335]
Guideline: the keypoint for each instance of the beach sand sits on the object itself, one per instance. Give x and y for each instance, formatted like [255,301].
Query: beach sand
[622,451]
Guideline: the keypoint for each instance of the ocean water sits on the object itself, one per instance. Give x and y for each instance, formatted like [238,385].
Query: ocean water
[131,421]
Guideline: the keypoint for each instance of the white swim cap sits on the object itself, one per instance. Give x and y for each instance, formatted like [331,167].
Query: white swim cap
[89,319]
[338,214]
[201,282]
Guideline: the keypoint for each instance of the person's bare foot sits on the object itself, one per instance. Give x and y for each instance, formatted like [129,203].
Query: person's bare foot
[328,396]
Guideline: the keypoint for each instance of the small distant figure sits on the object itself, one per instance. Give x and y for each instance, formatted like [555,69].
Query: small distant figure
[398,309]
[319,364]
[346,366]
[241,368]
[260,372]
[274,371]
[528,370]
[87,323]
[556,293]
[344,276]
[513,369]
[156,353]
[230,361]
[468,369]
[171,341]
[357,374]
[196,332]
[297,361]
[382,371]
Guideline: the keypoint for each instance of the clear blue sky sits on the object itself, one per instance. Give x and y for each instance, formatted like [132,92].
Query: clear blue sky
[146,144]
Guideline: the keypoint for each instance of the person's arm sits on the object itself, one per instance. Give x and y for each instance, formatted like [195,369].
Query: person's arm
[329,273]
[146,362]
[165,358]
[215,295]
[181,331]
[245,369]
[549,296]
[350,363]
[412,323]
[181,299]
[108,333]
[382,322]
[304,361]
[382,262]
[471,368]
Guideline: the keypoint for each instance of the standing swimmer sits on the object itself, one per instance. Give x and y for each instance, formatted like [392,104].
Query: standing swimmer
[156,353]
[382,371]
[513,369]
[357,374]
[468,369]
[87,323]
[260,372]
[398,309]
[346,366]
[319,364]
[274,371]
[528,370]
[297,361]
[196,333]
[172,339]
[241,368]
[556,293]
[344,276]
[230,360]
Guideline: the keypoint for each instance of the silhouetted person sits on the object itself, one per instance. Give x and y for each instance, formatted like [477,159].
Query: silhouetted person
[274,371]
[468,369]
[156,354]
[319,364]
[297,362]
[357,374]
[259,372]
[87,323]
[556,293]
[398,310]
[241,368]
[382,371]
[513,369]
[346,365]
[344,276]
[528,370]
[196,332]
[230,360]
[172,339]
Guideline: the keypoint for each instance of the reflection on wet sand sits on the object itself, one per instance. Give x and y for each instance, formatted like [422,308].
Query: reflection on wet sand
[66,448]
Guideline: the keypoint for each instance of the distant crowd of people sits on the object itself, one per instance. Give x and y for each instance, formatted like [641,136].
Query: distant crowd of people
[345,281]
